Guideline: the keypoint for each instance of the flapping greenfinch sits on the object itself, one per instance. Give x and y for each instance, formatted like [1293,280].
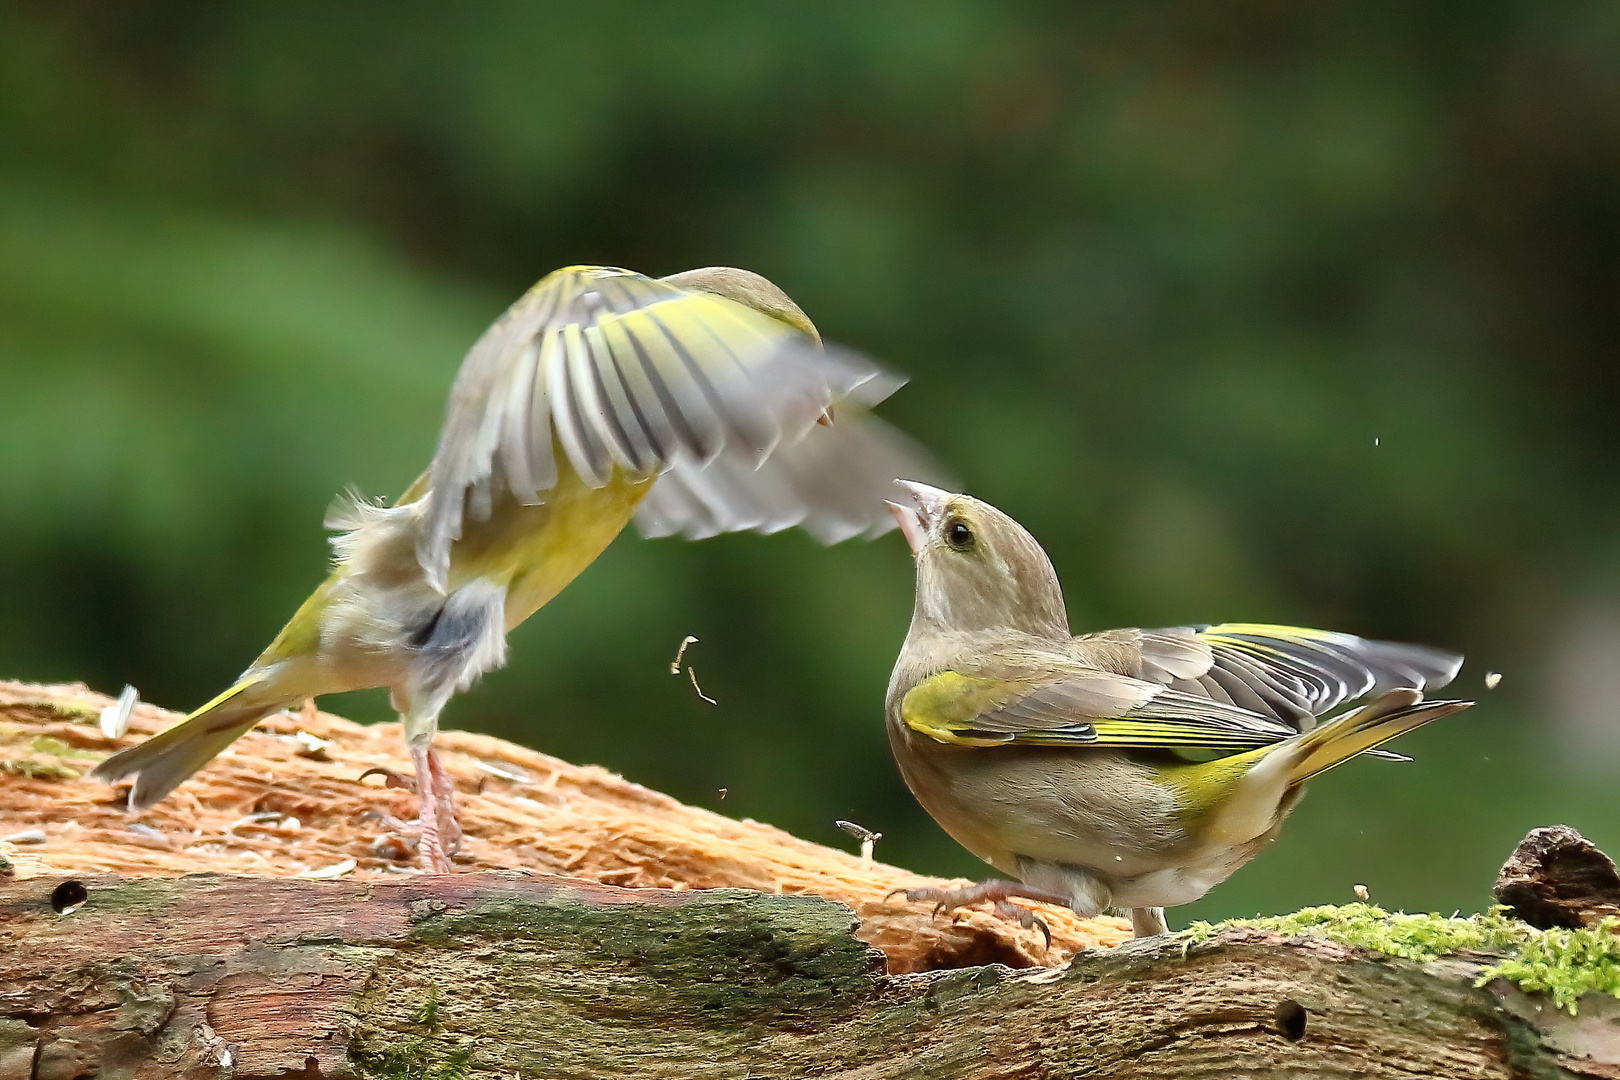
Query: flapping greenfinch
[699,403]
[1128,769]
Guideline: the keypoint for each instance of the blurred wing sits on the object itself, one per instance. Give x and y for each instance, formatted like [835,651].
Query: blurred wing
[622,373]
[1287,673]
[832,480]
[1078,708]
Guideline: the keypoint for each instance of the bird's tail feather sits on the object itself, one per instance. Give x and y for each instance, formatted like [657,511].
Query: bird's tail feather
[163,762]
[1342,738]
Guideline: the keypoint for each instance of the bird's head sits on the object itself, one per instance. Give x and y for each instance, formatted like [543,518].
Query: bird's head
[749,289]
[977,568]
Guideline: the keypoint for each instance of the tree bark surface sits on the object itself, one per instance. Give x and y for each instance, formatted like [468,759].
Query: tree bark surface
[508,974]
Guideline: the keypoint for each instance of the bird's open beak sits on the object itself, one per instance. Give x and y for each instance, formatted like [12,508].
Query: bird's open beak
[917,519]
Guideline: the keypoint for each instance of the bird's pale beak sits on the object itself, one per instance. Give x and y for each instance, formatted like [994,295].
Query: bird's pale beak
[911,526]
[916,520]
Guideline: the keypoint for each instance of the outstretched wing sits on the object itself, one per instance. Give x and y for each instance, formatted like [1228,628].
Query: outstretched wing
[620,372]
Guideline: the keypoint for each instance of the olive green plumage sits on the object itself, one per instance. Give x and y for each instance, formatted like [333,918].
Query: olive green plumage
[1133,769]
[699,403]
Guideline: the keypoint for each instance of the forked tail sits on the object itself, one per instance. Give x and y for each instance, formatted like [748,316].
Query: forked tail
[1380,720]
[163,762]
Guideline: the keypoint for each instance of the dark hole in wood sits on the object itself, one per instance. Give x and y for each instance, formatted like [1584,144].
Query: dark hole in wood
[1291,1020]
[68,895]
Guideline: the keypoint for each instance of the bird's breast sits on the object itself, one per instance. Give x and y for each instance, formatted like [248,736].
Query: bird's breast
[534,551]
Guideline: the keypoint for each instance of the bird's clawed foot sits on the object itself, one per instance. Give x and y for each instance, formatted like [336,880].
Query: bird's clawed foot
[995,892]
[391,779]
[1148,922]
[436,833]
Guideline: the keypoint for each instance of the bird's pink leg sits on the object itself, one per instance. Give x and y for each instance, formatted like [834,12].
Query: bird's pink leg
[436,811]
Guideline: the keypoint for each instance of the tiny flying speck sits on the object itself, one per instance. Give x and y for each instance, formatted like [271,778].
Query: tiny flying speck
[1375,440]
[723,792]
[1361,892]
[1493,679]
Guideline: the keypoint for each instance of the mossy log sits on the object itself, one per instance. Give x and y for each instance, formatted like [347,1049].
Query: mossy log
[508,974]
[116,963]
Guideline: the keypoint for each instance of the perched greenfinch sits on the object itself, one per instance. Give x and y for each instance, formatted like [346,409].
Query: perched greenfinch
[700,403]
[1128,769]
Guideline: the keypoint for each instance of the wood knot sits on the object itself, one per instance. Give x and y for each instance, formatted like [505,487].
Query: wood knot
[1290,1019]
[67,897]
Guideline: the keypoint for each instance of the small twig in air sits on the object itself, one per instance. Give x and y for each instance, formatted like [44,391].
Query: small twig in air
[866,836]
[723,793]
[675,665]
[693,676]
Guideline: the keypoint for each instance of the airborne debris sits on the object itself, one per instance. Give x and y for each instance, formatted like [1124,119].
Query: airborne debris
[1361,892]
[675,668]
[866,836]
[1493,679]
[723,792]
[115,717]
[675,665]
[693,676]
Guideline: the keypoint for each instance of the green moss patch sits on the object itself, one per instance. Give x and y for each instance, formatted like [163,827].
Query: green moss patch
[416,1059]
[1420,938]
[37,765]
[1564,964]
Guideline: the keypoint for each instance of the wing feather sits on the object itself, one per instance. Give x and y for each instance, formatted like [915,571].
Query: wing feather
[1287,673]
[612,372]
[1079,708]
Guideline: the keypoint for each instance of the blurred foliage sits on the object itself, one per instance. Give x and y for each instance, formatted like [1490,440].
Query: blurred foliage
[1249,311]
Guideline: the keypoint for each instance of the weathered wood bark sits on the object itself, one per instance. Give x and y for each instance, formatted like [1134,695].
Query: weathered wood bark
[516,972]
[1557,877]
[506,974]
[289,798]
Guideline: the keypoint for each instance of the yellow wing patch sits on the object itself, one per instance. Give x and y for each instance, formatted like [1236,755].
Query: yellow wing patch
[963,710]
[1227,634]
[943,707]
[1173,734]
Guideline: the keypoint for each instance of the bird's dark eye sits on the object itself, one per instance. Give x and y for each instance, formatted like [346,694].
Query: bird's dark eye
[958,535]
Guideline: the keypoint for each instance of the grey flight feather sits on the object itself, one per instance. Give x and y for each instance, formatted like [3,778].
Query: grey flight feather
[626,373]
[831,481]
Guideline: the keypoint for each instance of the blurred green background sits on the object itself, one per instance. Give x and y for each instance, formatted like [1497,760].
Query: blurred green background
[1251,311]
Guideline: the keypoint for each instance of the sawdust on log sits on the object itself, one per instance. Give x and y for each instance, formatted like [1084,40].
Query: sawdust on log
[287,799]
